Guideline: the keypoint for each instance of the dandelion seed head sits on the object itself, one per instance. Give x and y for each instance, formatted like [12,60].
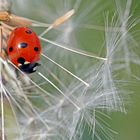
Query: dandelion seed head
[119,38]
[55,102]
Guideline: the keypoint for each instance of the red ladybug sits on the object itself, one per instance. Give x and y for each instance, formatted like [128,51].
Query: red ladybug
[24,49]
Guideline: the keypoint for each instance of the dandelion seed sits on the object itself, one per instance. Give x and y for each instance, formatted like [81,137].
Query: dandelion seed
[72,50]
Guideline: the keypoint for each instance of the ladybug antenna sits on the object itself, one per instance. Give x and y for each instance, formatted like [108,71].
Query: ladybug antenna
[59,21]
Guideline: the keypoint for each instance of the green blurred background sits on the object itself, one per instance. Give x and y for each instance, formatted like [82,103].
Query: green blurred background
[126,125]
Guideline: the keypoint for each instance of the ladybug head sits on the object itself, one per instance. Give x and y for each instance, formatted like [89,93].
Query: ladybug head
[26,66]
[24,49]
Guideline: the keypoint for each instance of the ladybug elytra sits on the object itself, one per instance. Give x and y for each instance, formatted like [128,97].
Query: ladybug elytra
[23,48]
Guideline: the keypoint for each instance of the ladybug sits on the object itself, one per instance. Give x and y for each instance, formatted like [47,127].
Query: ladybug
[24,49]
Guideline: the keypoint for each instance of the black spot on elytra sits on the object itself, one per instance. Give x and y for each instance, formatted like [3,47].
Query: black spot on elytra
[36,49]
[11,49]
[28,31]
[21,60]
[23,45]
